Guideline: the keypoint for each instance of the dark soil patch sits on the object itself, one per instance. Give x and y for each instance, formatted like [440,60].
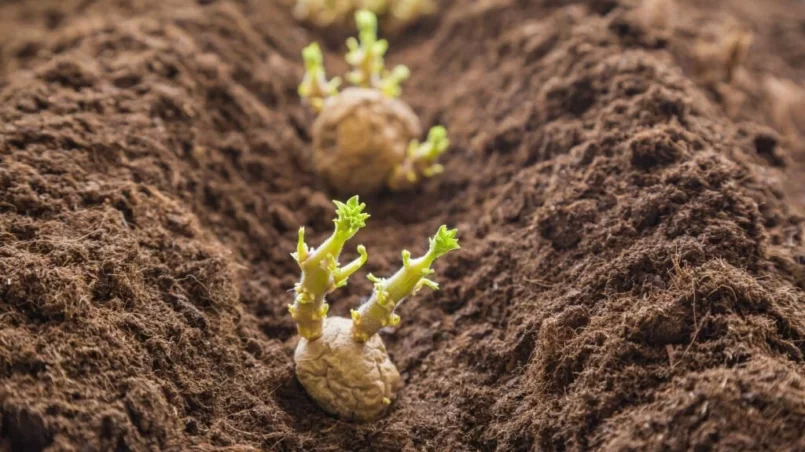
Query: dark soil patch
[633,272]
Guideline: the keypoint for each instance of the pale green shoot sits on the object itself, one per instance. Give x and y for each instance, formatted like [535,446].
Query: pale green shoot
[391,81]
[427,152]
[366,53]
[420,160]
[315,87]
[378,312]
[321,273]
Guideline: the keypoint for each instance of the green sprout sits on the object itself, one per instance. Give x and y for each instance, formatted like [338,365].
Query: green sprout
[366,56]
[366,52]
[421,159]
[430,150]
[321,273]
[315,87]
[378,312]
[391,81]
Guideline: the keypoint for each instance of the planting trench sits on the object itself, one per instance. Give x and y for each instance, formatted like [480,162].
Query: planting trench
[633,267]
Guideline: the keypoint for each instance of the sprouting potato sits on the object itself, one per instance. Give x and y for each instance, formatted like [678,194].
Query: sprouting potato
[342,363]
[365,138]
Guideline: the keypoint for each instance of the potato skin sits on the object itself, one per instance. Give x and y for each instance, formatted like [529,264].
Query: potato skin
[352,380]
[359,137]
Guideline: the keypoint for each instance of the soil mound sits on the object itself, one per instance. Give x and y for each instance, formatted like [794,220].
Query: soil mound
[633,272]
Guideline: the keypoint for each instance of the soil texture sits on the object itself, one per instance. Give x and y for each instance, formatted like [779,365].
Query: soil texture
[629,192]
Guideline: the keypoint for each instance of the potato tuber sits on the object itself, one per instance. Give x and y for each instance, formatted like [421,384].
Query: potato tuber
[360,138]
[325,13]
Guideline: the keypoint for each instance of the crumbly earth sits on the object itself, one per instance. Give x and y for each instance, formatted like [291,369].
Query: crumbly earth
[359,137]
[632,274]
[353,380]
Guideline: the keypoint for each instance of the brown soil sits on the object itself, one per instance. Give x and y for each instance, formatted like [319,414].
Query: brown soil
[633,272]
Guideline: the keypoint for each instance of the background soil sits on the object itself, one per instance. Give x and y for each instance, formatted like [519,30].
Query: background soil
[633,272]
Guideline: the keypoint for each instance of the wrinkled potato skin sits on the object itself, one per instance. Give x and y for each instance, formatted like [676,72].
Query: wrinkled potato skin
[347,378]
[359,137]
